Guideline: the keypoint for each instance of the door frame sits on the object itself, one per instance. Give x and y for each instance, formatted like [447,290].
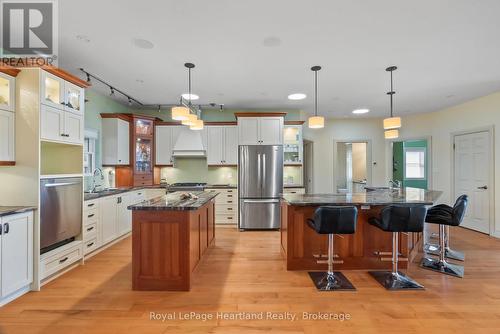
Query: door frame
[491,131]
[390,155]
[309,165]
[369,160]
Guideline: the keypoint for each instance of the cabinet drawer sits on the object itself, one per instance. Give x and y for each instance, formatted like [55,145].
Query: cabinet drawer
[143,180]
[91,205]
[89,231]
[90,245]
[294,191]
[226,209]
[226,219]
[54,263]
[90,217]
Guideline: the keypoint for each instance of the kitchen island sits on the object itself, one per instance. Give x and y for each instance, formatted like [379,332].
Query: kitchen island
[170,235]
[368,249]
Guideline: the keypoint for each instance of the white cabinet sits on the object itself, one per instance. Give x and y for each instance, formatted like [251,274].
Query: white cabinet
[222,145]
[7,136]
[260,130]
[292,145]
[7,92]
[74,98]
[226,205]
[108,218]
[52,90]
[164,142]
[124,215]
[16,253]
[115,141]
[61,126]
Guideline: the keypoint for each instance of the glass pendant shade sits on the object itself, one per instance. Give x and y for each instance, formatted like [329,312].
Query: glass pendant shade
[180,113]
[391,134]
[316,122]
[392,123]
[190,120]
[197,125]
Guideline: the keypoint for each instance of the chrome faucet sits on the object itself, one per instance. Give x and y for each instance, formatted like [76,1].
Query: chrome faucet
[395,184]
[97,171]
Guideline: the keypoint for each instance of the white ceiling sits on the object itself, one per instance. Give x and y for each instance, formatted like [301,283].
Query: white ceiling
[447,51]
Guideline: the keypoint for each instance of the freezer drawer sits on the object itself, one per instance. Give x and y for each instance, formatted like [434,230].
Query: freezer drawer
[259,214]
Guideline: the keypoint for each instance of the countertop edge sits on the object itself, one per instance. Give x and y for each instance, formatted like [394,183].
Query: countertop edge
[17,209]
[138,207]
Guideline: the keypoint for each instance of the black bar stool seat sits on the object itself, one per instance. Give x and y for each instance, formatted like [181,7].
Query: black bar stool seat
[446,216]
[333,220]
[396,219]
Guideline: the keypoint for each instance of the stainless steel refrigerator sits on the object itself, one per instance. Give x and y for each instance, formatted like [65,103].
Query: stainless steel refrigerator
[260,184]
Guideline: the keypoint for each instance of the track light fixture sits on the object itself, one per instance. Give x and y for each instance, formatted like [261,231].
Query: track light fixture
[112,91]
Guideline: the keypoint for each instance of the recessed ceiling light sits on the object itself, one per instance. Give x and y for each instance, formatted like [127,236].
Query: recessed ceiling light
[191,97]
[361,111]
[271,41]
[297,96]
[142,43]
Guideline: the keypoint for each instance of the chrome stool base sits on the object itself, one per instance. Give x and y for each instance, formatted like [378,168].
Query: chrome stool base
[433,249]
[395,280]
[442,267]
[335,281]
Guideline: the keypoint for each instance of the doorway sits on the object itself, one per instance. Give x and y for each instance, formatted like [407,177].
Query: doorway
[352,167]
[473,175]
[410,163]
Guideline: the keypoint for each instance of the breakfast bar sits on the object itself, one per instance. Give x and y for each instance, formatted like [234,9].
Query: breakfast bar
[368,248]
[170,236]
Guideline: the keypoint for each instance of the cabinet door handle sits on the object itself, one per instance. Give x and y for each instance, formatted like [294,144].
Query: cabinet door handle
[90,216]
[63,103]
[119,200]
[90,229]
[90,245]
[230,209]
[1,228]
[230,201]
[90,205]
[64,260]
[6,228]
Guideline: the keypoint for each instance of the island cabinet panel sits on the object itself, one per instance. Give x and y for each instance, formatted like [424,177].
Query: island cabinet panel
[303,247]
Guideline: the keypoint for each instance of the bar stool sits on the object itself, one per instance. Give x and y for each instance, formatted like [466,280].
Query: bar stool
[396,219]
[434,249]
[445,217]
[333,220]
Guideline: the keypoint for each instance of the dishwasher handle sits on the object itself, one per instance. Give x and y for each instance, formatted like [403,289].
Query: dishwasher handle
[51,185]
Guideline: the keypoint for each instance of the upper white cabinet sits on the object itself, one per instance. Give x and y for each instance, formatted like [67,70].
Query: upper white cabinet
[260,130]
[222,145]
[16,253]
[52,90]
[7,136]
[74,97]
[165,138]
[292,145]
[61,126]
[7,92]
[115,141]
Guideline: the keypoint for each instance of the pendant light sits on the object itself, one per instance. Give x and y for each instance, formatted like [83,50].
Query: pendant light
[392,124]
[198,125]
[316,122]
[190,120]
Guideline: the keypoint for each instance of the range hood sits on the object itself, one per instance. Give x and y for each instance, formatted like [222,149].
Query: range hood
[189,144]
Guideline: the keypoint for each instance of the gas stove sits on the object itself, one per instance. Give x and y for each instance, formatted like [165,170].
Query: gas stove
[186,186]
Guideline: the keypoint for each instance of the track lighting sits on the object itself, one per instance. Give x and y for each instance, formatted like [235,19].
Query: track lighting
[88,77]
[129,101]
[112,91]
[159,108]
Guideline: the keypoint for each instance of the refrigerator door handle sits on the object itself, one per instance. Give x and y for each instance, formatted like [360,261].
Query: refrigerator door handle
[263,170]
[259,181]
[261,200]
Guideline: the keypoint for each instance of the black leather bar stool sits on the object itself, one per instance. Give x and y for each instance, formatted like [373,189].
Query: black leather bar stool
[333,220]
[396,219]
[434,249]
[445,216]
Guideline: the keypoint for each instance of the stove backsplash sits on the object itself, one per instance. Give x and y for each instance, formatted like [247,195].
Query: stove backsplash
[196,170]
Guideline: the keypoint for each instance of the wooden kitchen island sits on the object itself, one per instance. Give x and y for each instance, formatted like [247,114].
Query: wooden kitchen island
[170,235]
[303,247]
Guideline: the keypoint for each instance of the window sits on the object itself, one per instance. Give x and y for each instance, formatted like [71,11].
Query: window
[89,146]
[415,163]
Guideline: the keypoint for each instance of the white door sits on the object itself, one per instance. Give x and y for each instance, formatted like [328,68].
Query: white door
[73,98]
[215,154]
[472,177]
[52,91]
[16,252]
[163,150]
[271,130]
[123,142]
[231,145]
[7,136]
[52,123]
[248,131]
[108,218]
[73,128]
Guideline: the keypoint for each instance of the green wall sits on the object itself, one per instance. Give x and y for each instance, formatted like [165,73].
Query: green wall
[398,163]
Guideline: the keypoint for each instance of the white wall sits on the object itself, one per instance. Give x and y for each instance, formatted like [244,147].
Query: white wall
[479,113]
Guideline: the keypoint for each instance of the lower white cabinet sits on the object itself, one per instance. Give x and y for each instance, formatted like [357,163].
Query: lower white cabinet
[16,254]
[7,136]
[108,207]
[226,205]
[294,190]
[124,216]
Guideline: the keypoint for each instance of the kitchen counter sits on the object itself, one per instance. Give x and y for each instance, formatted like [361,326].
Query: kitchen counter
[121,190]
[293,186]
[221,186]
[174,202]
[302,246]
[10,210]
[410,196]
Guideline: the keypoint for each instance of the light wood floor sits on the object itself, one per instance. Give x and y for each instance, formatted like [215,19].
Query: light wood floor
[245,272]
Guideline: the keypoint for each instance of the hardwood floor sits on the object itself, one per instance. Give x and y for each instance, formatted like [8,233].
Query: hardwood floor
[245,272]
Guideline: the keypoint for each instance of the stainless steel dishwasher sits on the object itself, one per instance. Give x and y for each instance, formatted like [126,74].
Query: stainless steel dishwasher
[60,211]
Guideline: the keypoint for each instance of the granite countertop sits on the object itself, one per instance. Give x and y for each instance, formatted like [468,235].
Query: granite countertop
[120,190]
[174,202]
[377,197]
[10,210]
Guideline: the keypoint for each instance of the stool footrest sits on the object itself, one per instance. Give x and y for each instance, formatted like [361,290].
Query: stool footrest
[389,259]
[324,256]
[326,261]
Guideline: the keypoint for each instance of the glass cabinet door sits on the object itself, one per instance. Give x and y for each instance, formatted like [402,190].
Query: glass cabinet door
[52,90]
[292,148]
[7,92]
[74,97]
[143,158]
[143,127]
